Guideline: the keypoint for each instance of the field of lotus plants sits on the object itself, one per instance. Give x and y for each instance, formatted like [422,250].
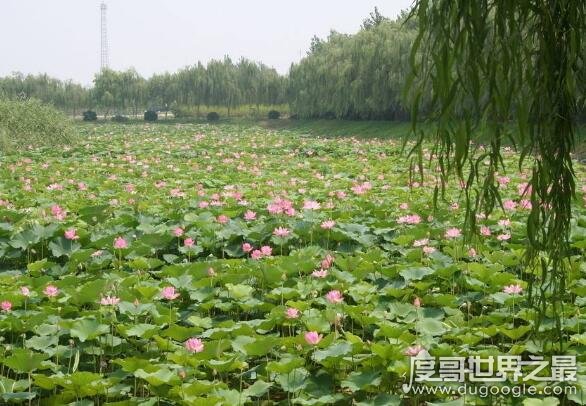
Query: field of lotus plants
[235,265]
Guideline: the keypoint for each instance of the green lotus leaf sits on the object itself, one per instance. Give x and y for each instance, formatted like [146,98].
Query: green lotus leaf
[294,380]
[87,329]
[24,361]
[360,380]
[63,247]
[415,274]
[431,327]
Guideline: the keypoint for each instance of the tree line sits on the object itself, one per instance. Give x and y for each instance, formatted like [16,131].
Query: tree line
[359,76]
[219,83]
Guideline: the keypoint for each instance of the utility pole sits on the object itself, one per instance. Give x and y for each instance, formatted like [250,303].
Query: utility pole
[104,62]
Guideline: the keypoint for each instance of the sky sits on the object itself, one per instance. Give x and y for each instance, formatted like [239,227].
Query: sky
[62,37]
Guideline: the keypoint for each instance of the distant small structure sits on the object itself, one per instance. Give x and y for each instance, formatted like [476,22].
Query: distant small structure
[104,62]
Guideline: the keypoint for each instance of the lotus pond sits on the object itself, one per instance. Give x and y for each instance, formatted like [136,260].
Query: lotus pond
[232,265]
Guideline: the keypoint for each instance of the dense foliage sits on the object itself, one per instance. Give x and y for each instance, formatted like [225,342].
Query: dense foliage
[26,123]
[149,266]
[65,95]
[359,76]
[120,119]
[492,64]
[219,83]
[89,115]
[213,116]
[150,115]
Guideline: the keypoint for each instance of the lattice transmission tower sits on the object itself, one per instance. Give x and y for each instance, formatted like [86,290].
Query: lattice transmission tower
[104,62]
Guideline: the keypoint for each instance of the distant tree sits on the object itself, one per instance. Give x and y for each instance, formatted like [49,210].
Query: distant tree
[357,76]
[373,20]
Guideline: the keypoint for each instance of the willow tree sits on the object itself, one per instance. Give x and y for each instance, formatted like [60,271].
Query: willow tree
[511,70]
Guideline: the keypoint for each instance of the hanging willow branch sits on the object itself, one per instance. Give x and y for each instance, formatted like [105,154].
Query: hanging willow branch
[509,70]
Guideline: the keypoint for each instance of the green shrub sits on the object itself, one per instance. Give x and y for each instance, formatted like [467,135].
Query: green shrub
[274,115]
[213,116]
[119,118]
[27,123]
[90,115]
[150,115]
[181,112]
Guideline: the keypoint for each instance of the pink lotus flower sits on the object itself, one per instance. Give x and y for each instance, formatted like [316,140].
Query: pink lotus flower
[194,345]
[362,188]
[403,206]
[513,289]
[421,243]
[211,272]
[524,189]
[223,219]
[328,224]
[97,253]
[414,350]
[525,204]
[322,273]
[6,306]
[189,242]
[266,250]
[178,232]
[504,222]
[256,254]
[409,219]
[169,293]
[428,250]
[291,313]
[55,186]
[453,232]
[249,215]
[120,243]
[279,205]
[176,193]
[334,296]
[281,232]
[485,231]
[58,212]
[472,252]
[71,234]
[312,337]
[327,262]
[246,247]
[503,180]
[311,205]
[417,302]
[109,301]
[509,205]
[25,291]
[51,290]
[503,237]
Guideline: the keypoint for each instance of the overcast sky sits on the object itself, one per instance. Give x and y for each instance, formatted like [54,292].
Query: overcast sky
[62,37]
